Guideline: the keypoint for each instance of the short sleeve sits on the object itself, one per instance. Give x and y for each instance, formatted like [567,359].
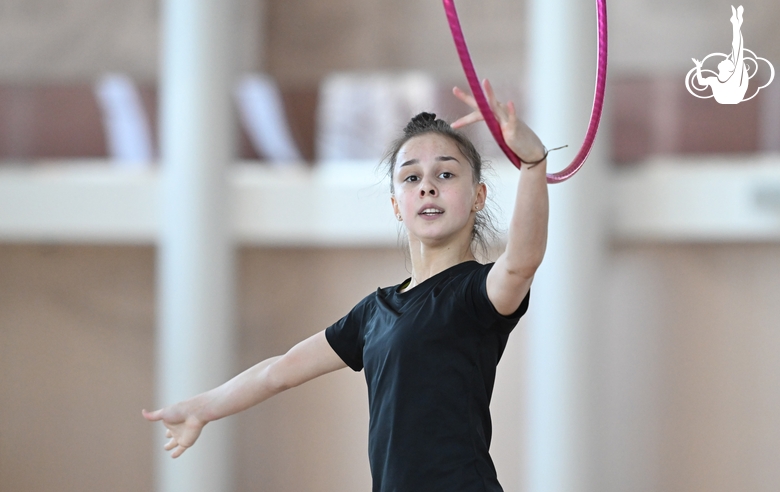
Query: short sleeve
[346,336]
[484,311]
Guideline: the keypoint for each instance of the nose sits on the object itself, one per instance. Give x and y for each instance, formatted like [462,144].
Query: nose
[426,187]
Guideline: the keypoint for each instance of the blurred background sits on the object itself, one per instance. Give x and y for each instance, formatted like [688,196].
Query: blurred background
[684,385]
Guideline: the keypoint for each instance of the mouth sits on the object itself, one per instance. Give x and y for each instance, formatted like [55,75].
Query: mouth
[431,211]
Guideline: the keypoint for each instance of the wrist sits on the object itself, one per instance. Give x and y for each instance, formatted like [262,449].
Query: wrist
[540,160]
[535,157]
[540,167]
[202,407]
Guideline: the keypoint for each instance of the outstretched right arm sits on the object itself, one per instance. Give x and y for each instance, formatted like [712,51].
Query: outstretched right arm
[305,361]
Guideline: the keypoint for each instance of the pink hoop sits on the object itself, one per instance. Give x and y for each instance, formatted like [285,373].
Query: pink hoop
[490,119]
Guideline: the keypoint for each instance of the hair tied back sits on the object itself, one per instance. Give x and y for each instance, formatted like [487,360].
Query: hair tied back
[420,123]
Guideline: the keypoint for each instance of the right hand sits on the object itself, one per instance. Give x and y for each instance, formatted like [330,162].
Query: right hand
[183,427]
[517,135]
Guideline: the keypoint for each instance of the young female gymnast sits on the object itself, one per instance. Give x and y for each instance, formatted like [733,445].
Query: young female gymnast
[430,345]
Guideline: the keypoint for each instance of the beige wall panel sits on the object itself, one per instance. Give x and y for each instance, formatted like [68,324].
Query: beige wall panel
[76,367]
[694,379]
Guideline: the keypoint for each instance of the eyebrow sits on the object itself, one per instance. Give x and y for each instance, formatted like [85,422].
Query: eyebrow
[441,158]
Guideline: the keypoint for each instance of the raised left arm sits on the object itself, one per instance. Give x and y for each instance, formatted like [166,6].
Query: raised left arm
[511,276]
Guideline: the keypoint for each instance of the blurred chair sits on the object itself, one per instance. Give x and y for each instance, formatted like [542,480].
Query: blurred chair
[128,135]
[359,114]
[261,111]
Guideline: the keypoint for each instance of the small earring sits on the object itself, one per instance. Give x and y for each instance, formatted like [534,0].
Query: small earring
[399,216]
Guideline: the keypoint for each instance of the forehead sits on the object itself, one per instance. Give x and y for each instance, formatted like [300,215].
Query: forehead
[428,147]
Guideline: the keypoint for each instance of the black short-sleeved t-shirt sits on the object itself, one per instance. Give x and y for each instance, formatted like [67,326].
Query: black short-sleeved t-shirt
[429,356]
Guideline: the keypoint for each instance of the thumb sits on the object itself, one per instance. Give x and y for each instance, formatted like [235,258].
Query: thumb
[153,416]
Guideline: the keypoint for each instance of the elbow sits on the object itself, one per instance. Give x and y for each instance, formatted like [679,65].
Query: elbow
[534,262]
[524,257]
[521,273]
[526,267]
[525,271]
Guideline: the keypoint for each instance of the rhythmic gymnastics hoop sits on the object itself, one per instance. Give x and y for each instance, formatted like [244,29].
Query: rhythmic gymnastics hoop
[490,118]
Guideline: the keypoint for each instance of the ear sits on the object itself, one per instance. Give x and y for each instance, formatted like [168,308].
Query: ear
[394,203]
[481,196]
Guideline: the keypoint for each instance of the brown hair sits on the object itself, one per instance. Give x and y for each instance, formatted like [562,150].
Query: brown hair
[484,231]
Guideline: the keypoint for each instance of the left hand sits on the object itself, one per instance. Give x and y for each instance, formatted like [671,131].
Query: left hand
[182,424]
[517,135]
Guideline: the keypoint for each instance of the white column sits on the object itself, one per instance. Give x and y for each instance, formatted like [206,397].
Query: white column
[195,264]
[563,448]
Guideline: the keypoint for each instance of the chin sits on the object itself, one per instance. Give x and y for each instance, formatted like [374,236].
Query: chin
[434,236]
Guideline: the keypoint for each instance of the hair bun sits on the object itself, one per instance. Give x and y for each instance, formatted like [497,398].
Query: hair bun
[419,123]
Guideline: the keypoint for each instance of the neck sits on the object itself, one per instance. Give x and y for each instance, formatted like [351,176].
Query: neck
[428,260]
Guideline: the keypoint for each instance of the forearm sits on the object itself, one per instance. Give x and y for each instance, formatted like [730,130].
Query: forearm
[305,361]
[527,238]
[240,393]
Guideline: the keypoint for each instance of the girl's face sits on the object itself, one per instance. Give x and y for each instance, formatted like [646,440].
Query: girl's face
[434,190]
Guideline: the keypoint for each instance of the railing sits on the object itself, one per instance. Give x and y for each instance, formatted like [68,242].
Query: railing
[348,203]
